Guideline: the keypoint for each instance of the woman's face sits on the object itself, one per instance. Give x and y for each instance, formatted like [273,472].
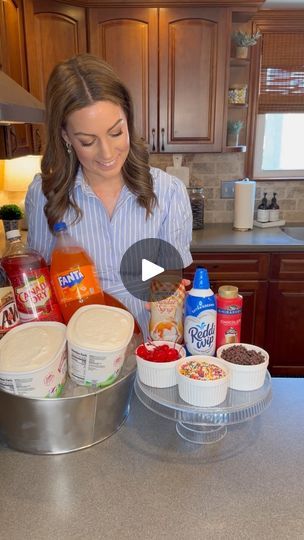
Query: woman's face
[100,137]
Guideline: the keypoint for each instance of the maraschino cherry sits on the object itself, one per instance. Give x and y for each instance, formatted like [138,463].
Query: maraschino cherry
[159,353]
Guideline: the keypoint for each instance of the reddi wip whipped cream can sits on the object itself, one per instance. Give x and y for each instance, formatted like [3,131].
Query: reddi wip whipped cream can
[200,316]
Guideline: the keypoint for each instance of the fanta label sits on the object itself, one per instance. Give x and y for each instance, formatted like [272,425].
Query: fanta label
[79,282]
[72,278]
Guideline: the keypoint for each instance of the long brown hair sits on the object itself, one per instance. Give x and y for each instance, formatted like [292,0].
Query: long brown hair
[74,84]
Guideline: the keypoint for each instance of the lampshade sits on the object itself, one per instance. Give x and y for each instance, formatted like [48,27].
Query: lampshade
[19,172]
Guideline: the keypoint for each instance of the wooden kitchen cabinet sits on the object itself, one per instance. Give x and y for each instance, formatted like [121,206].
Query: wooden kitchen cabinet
[285,314]
[15,140]
[127,38]
[54,32]
[240,76]
[173,60]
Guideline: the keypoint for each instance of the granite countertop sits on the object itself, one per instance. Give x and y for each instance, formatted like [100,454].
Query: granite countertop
[145,482]
[222,237]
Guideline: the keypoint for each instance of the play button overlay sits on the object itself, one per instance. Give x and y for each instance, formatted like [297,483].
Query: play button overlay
[151,269]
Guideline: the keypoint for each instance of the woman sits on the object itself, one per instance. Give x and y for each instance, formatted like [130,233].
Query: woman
[95,177]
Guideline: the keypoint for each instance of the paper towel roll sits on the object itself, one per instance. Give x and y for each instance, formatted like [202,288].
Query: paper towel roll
[244,197]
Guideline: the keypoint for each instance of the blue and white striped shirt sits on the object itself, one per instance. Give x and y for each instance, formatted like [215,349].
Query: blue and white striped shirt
[106,240]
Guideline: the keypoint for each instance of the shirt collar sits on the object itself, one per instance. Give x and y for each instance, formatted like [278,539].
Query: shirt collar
[80,182]
[87,190]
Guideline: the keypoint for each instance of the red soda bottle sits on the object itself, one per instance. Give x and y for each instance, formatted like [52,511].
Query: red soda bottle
[9,316]
[73,274]
[30,278]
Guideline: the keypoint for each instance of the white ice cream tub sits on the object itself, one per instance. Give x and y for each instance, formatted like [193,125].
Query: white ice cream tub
[98,337]
[33,359]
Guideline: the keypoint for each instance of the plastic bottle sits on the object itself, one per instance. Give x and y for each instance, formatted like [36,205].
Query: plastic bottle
[30,278]
[229,315]
[263,211]
[274,209]
[200,316]
[166,321]
[9,316]
[73,274]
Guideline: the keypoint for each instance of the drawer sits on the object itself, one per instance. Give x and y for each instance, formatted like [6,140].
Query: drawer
[288,266]
[244,266]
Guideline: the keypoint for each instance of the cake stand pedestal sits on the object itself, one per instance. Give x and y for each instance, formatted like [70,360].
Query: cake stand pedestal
[204,425]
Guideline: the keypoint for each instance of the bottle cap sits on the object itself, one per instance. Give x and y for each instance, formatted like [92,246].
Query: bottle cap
[201,279]
[60,226]
[228,291]
[15,233]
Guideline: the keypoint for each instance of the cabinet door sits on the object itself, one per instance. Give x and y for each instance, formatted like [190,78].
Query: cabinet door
[127,38]
[54,32]
[193,54]
[240,266]
[17,139]
[284,330]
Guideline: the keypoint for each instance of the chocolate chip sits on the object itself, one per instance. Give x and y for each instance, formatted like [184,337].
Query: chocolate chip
[238,354]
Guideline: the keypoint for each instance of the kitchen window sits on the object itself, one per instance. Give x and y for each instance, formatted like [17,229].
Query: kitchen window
[279,146]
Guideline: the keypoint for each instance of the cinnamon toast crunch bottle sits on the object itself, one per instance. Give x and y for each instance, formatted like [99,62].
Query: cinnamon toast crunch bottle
[73,274]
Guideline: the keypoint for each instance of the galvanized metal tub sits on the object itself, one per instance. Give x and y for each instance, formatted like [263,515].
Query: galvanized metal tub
[72,422]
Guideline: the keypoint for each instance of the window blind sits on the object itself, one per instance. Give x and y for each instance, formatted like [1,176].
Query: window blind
[282,73]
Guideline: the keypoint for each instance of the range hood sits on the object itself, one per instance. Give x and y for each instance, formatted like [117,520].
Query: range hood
[17,105]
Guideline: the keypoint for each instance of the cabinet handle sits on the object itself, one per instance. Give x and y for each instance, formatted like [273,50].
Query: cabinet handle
[37,141]
[163,139]
[153,140]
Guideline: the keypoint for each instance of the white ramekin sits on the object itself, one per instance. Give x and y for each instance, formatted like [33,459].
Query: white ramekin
[159,374]
[245,377]
[202,393]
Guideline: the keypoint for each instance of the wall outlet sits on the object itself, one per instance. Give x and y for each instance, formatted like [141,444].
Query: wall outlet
[227,191]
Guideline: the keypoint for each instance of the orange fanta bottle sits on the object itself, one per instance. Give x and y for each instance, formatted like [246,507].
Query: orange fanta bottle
[73,274]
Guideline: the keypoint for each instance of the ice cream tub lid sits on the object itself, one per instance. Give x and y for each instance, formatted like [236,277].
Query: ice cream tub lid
[100,328]
[32,346]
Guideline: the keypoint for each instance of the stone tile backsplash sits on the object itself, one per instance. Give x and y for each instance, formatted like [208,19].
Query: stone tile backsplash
[208,171]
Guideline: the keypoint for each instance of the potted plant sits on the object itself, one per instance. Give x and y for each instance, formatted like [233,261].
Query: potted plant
[243,40]
[233,131]
[10,215]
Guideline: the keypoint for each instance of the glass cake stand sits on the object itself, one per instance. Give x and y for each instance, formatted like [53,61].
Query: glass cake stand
[204,425]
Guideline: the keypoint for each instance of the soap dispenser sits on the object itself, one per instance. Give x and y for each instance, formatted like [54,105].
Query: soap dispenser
[263,210]
[274,209]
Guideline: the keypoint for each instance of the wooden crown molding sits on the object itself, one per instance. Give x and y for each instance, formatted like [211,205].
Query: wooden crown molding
[238,4]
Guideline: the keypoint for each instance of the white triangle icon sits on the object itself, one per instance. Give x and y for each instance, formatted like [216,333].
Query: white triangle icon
[149,269]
